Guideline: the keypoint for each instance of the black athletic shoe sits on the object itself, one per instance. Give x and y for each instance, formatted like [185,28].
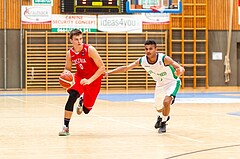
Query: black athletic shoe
[162,128]
[157,125]
[159,120]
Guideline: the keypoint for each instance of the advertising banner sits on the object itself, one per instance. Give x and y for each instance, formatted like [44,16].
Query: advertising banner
[65,23]
[36,14]
[120,23]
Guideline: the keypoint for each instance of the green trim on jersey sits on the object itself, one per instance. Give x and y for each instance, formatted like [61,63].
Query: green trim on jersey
[140,61]
[176,88]
[163,59]
[173,70]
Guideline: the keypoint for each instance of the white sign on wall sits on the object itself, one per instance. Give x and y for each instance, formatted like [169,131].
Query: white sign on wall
[120,23]
[36,14]
[216,55]
[65,23]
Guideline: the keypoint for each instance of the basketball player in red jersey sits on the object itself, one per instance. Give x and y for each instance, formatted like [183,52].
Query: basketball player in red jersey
[90,69]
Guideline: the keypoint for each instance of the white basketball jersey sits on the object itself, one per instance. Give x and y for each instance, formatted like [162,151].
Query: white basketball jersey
[158,71]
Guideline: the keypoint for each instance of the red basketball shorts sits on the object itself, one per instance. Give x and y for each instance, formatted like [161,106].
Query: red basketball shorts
[90,91]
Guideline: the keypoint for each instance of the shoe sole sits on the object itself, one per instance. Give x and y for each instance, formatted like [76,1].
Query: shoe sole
[160,131]
[63,134]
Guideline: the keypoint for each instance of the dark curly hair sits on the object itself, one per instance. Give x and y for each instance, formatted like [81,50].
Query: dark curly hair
[150,42]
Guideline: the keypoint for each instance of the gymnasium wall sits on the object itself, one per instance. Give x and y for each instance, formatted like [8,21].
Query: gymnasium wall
[1,59]
[218,14]
[12,59]
[218,24]
[238,63]
[218,43]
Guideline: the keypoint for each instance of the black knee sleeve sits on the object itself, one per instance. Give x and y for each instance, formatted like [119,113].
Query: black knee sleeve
[73,96]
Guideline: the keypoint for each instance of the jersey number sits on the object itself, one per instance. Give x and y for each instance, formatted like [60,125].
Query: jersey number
[81,66]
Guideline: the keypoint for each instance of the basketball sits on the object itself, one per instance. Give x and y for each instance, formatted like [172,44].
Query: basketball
[66,79]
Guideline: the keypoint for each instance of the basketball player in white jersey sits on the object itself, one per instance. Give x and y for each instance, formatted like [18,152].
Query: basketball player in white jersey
[165,71]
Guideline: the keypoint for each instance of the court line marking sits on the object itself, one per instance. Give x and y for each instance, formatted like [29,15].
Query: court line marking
[202,150]
[24,101]
[125,123]
[209,100]
[194,110]
[143,128]
[132,125]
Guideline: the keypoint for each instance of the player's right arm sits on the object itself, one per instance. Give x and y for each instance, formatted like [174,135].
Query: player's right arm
[121,69]
[68,64]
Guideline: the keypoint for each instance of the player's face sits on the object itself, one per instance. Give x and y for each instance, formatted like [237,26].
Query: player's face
[77,40]
[150,50]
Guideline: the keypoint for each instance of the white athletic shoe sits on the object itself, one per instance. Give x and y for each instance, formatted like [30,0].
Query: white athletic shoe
[64,132]
[80,105]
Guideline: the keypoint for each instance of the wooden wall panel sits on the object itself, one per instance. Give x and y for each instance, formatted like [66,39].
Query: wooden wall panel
[1,14]
[45,59]
[218,11]
[155,26]
[56,7]
[13,14]
[236,26]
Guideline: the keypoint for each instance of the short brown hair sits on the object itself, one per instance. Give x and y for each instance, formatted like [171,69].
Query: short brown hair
[75,32]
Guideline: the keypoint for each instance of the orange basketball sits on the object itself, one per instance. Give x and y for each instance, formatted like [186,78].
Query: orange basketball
[66,79]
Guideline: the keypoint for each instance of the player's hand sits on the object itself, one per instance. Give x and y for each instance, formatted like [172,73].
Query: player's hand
[85,81]
[179,71]
[105,74]
[66,71]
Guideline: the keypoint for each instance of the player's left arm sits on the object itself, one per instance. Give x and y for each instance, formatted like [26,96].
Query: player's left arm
[179,70]
[93,53]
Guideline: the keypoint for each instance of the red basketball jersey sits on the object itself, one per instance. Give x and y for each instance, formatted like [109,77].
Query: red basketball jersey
[85,65]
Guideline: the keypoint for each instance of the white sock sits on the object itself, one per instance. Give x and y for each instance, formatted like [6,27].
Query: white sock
[164,118]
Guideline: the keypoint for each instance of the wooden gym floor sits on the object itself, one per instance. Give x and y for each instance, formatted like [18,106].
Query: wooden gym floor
[203,124]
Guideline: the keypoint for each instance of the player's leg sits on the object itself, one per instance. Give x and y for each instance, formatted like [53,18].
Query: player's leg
[171,92]
[164,114]
[78,87]
[73,95]
[158,98]
[90,95]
